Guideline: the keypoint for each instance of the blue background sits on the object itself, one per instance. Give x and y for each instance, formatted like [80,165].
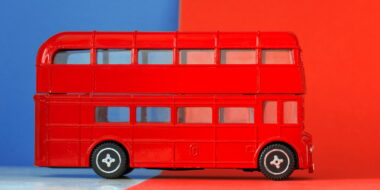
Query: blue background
[25,25]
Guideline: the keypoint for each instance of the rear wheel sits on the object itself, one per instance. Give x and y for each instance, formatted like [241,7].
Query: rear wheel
[109,160]
[277,162]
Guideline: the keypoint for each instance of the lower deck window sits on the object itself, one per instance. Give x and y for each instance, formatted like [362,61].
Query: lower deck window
[236,115]
[269,112]
[290,112]
[153,114]
[112,114]
[194,115]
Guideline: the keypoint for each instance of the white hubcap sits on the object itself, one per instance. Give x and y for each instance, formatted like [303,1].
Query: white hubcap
[109,160]
[276,162]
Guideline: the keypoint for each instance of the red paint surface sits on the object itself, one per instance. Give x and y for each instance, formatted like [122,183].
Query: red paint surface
[339,42]
[340,49]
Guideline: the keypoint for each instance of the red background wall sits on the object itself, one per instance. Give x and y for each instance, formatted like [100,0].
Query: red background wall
[340,42]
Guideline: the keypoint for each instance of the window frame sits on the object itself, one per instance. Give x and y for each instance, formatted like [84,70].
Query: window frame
[56,51]
[215,56]
[299,113]
[170,121]
[176,120]
[257,50]
[135,56]
[294,53]
[118,64]
[238,106]
[278,111]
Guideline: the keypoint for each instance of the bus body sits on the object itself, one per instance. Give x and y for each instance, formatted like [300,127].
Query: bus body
[116,101]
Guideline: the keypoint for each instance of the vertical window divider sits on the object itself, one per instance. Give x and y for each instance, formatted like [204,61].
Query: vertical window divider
[132,114]
[134,49]
[217,49]
[258,48]
[280,112]
[93,56]
[173,111]
[175,50]
[93,66]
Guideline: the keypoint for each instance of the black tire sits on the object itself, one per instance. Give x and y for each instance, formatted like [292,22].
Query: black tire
[277,162]
[109,160]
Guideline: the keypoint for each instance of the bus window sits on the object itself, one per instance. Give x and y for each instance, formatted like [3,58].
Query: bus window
[238,56]
[194,115]
[196,56]
[75,57]
[270,112]
[153,115]
[277,56]
[113,56]
[290,112]
[159,56]
[112,114]
[236,115]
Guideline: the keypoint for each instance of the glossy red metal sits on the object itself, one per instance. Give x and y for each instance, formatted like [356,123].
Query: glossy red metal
[67,95]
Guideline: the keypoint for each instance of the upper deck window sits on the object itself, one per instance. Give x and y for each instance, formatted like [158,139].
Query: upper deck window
[277,56]
[153,114]
[113,56]
[75,57]
[197,56]
[161,56]
[238,56]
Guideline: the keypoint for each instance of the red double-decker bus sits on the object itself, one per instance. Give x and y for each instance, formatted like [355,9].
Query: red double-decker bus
[115,101]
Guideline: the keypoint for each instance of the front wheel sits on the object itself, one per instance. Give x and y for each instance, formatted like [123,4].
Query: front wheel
[277,162]
[110,161]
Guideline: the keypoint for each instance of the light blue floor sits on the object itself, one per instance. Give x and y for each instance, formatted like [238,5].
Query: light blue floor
[26,178]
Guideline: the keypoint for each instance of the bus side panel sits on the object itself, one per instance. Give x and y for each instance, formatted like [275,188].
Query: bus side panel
[86,132]
[71,78]
[281,79]
[175,79]
[40,158]
[294,134]
[42,79]
[153,146]
[63,133]
[235,146]
[194,146]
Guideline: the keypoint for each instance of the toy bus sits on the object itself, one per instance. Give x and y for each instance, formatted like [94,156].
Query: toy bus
[115,101]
